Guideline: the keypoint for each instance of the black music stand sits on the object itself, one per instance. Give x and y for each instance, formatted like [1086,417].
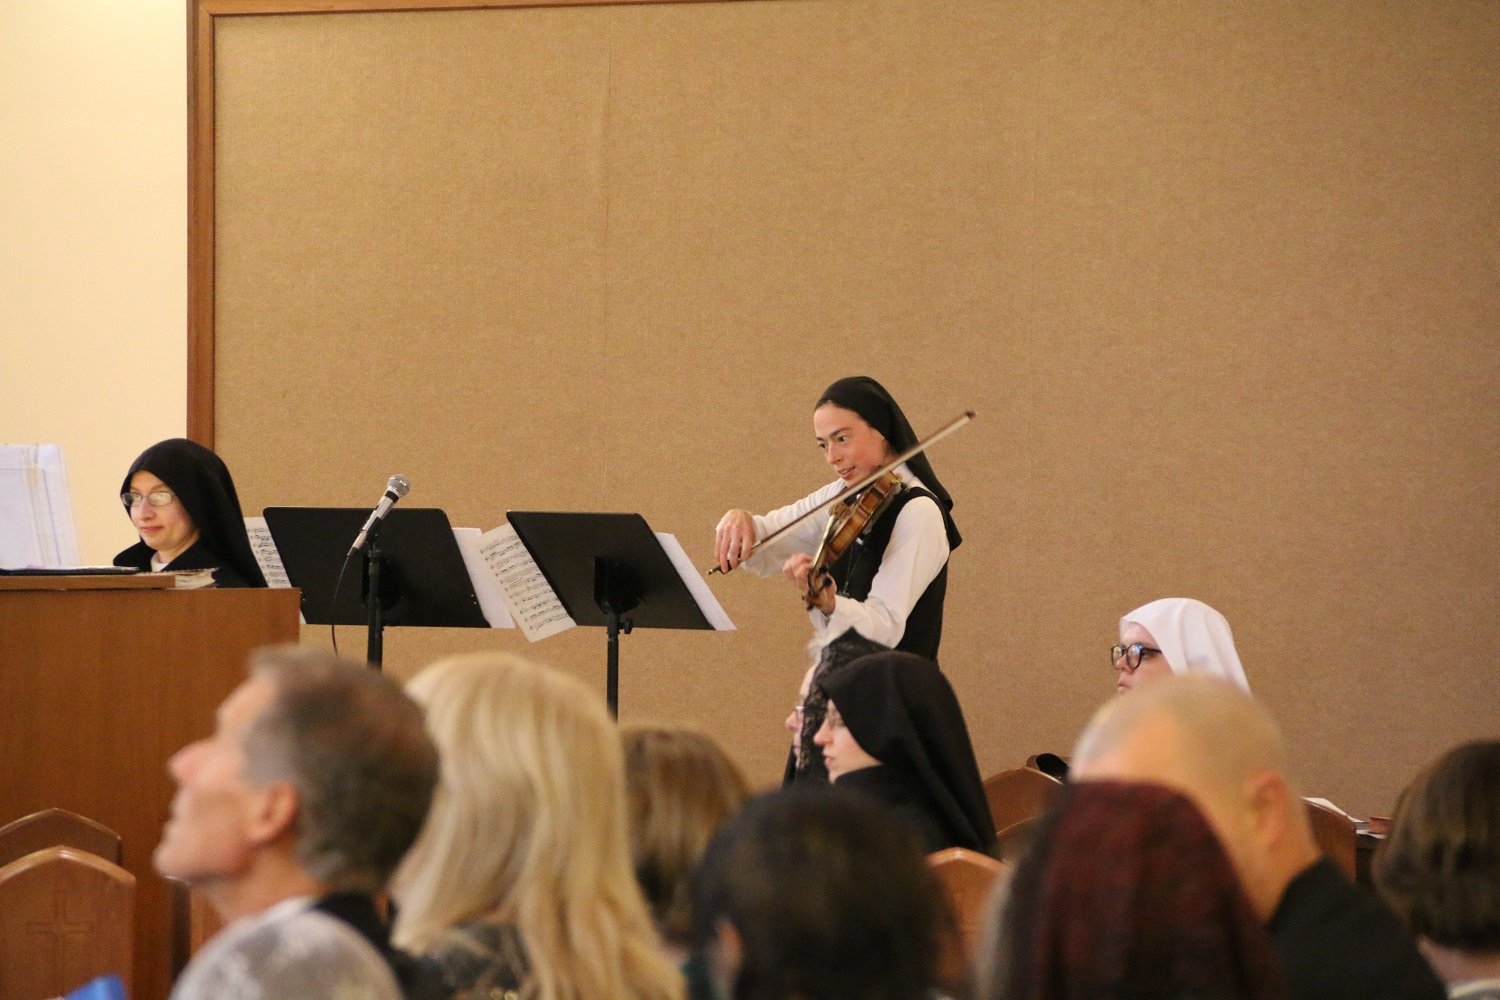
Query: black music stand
[605,567]
[410,560]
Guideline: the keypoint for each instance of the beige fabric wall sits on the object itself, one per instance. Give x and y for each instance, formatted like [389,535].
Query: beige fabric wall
[1219,280]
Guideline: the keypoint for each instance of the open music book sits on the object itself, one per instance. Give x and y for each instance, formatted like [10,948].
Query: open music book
[511,589]
[36,514]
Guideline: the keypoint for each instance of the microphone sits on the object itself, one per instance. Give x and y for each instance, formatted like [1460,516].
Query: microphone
[395,488]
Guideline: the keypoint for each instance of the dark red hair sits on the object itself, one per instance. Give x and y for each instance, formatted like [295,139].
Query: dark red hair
[1127,893]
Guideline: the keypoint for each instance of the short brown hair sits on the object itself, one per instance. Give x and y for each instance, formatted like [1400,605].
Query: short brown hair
[355,748]
[1440,866]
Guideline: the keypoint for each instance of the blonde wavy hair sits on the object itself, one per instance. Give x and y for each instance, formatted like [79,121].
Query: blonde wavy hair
[528,827]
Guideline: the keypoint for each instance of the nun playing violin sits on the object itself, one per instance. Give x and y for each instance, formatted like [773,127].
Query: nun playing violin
[889,584]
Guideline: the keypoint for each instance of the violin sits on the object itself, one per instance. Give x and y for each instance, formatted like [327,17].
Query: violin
[852,493]
[847,520]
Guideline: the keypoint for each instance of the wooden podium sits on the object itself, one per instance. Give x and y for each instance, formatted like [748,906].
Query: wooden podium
[98,687]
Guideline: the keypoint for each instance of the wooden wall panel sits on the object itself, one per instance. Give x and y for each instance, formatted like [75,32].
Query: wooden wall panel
[104,686]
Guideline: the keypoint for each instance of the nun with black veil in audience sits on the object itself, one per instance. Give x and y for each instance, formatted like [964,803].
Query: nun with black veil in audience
[805,762]
[182,501]
[894,732]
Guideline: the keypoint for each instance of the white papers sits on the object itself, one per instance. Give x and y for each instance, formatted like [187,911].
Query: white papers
[696,585]
[1326,805]
[266,553]
[531,600]
[36,514]
[511,588]
[535,606]
[268,556]
[486,586]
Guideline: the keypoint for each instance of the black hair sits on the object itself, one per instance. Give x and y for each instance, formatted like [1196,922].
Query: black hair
[832,900]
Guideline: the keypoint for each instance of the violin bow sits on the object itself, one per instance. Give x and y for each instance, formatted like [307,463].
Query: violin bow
[905,456]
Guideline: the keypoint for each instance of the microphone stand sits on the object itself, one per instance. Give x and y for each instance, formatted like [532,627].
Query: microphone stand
[375,646]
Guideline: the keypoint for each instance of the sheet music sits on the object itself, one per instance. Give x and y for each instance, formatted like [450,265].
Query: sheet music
[266,553]
[486,586]
[268,556]
[696,585]
[36,514]
[532,602]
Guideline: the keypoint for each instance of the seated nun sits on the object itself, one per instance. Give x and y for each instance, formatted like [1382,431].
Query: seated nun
[1175,635]
[894,732]
[182,501]
[806,760]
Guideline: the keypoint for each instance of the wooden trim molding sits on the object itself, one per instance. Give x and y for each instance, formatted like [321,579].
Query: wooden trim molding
[200,291]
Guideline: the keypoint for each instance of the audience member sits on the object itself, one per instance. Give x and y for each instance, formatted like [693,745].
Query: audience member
[794,719]
[181,499]
[680,786]
[1440,867]
[521,879]
[1127,894]
[1175,635]
[808,893]
[806,761]
[894,731]
[1213,742]
[314,783]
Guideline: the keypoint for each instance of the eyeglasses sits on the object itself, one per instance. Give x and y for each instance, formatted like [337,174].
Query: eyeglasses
[156,498]
[1133,654]
[799,710]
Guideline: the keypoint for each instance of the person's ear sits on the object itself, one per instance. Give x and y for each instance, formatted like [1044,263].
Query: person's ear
[720,960]
[731,946]
[1271,801]
[273,812]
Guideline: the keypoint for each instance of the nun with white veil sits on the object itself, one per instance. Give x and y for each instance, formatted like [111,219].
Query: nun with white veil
[1175,635]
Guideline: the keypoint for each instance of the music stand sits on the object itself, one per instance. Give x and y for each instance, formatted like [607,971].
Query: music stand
[605,567]
[411,560]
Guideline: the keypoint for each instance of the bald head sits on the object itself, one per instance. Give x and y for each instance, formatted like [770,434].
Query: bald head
[1194,731]
[1213,742]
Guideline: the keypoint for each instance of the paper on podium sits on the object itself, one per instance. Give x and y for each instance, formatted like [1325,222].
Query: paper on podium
[36,514]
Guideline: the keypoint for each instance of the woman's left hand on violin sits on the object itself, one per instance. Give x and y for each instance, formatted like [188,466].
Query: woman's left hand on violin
[796,569]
